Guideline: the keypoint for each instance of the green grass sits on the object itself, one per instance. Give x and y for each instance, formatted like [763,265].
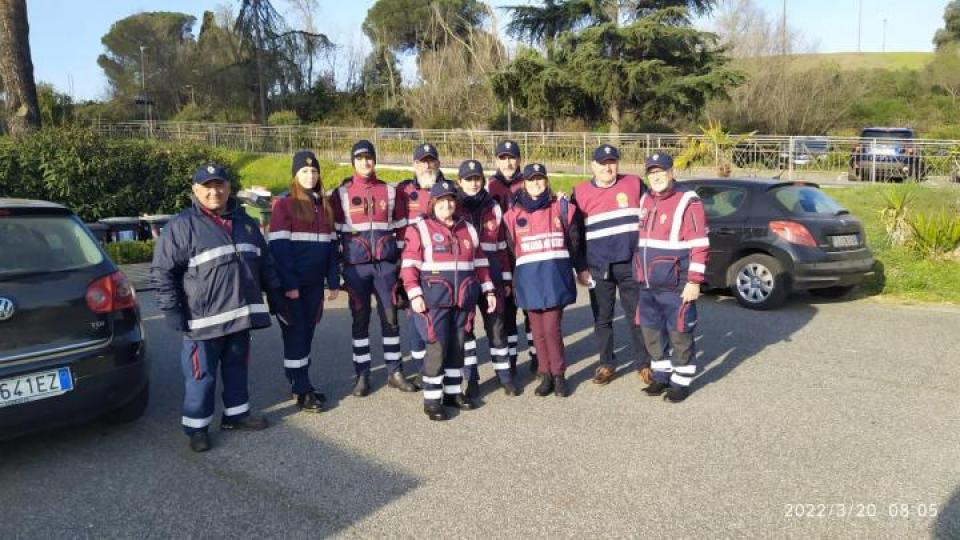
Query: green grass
[911,61]
[905,276]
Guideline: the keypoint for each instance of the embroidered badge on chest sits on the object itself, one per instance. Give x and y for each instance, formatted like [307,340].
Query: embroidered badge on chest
[622,200]
[414,195]
[437,237]
[492,225]
[521,222]
[466,244]
[383,205]
[556,223]
[663,218]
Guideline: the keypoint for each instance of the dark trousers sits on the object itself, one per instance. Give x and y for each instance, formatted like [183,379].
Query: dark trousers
[661,310]
[443,329]
[603,300]
[199,362]
[361,281]
[548,337]
[305,313]
[416,344]
[493,324]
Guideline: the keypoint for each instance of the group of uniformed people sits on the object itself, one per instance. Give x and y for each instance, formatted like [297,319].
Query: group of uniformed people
[442,250]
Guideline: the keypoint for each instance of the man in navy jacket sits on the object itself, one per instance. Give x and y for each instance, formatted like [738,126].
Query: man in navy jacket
[210,267]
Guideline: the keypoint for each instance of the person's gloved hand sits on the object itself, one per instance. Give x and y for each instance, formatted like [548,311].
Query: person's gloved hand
[278,305]
[175,320]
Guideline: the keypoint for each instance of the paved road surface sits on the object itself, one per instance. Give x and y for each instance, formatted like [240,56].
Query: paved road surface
[819,408]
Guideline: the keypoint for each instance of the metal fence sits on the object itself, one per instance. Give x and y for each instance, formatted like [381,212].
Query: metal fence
[790,157]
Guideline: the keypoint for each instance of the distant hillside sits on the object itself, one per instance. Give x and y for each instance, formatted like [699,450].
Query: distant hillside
[891,60]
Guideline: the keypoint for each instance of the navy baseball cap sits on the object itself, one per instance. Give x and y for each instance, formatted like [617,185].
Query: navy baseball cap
[470,168]
[209,172]
[443,188]
[508,148]
[606,152]
[362,146]
[534,169]
[662,161]
[424,151]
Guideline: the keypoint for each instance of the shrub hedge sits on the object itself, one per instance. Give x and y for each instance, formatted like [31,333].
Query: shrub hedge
[98,177]
[129,252]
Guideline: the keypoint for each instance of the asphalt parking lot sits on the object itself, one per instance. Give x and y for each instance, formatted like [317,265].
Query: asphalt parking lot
[818,420]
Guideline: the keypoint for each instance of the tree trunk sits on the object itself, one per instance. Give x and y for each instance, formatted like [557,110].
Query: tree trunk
[614,112]
[16,68]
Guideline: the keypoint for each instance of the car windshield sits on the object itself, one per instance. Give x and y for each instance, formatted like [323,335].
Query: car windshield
[31,244]
[884,134]
[805,200]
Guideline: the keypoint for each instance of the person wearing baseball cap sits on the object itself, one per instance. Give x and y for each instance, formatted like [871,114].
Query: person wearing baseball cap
[302,240]
[502,186]
[211,266]
[369,215]
[670,261]
[445,272]
[610,202]
[544,236]
[477,207]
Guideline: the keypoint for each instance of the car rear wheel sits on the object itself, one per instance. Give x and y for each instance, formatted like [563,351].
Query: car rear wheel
[131,410]
[759,282]
[838,291]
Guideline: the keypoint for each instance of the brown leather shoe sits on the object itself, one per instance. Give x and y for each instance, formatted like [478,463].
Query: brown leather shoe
[604,375]
[646,375]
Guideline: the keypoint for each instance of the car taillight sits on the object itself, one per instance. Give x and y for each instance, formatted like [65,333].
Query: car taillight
[111,293]
[794,233]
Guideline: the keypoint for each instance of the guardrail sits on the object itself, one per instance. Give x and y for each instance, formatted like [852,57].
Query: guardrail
[788,156]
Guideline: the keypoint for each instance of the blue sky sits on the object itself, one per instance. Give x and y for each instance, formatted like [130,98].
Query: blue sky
[65,34]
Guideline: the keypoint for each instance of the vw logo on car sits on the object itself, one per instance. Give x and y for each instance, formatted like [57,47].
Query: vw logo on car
[6,308]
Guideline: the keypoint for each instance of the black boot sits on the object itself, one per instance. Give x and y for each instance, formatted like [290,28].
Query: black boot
[310,402]
[560,386]
[361,386]
[199,441]
[398,381]
[676,394]
[435,411]
[509,389]
[459,401]
[546,385]
[656,388]
[472,390]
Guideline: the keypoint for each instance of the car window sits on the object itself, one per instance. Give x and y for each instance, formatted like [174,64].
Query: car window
[30,244]
[884,134]
[800,200]
[721,201]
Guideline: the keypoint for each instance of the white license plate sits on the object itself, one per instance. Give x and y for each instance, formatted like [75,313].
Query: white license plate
[35,386]
[845,240]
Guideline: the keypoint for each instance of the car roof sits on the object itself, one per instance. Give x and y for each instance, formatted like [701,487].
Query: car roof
[28,203]
[890,129]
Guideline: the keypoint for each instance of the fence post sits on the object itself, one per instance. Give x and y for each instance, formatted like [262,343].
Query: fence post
[583,148]
[790,153]
[873,161]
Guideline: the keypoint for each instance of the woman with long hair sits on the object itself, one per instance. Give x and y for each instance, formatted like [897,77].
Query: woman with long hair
[546,241]
[303,243]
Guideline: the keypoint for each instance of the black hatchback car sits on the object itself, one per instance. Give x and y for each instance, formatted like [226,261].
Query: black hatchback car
[768,238]
[71,339]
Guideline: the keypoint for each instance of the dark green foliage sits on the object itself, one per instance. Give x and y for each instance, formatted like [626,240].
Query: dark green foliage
[392,118]
[950,33]
[97,177]
[406,25]
[130,251]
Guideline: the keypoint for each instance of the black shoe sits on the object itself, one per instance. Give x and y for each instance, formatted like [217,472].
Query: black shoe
[472,390]
[459,401]
[398,381]
[509,389]
[199,441]
[560,386]
[435,411]
[361,385]
[656,388]
[247,423]
[513,369]
[676,394]
[417,382]
[546,385]
[310,402]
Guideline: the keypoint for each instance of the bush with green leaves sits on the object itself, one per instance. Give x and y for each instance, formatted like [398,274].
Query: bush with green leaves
[98,177]
[935,235]
[130,251]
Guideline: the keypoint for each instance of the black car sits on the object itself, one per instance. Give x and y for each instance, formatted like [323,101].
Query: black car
[71,339]
[768,238]
[886,154]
